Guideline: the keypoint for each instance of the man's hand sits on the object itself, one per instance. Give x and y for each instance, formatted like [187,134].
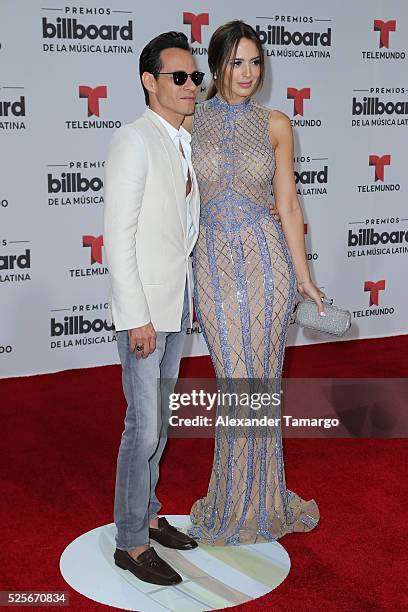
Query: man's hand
[274,212]
[142,340]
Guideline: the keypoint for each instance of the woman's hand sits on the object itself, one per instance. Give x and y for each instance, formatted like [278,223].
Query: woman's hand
[273,209]
[308,290]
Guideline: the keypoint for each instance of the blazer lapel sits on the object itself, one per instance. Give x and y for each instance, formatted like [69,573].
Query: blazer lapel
[176,167]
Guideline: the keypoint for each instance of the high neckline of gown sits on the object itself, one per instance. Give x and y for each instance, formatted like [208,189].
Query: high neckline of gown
[243,106]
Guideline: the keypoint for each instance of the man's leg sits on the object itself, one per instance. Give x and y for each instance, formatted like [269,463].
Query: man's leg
[138,444]
[169,370]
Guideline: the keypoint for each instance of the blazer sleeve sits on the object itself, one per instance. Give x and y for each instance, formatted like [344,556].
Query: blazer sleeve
[125,177]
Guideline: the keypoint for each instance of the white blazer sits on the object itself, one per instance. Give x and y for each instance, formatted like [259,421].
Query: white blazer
[145,227]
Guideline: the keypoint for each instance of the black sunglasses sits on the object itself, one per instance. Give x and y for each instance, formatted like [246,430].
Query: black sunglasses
[180,77]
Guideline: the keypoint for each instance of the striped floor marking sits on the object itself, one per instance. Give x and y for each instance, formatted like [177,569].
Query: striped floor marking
[214,577]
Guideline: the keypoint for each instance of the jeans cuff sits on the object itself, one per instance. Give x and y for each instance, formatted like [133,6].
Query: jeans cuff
[131,542]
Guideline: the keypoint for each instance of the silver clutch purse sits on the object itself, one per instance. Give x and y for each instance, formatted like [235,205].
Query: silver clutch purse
[337,320]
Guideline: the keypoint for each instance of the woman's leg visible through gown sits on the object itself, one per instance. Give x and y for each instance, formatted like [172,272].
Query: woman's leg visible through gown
[244,296]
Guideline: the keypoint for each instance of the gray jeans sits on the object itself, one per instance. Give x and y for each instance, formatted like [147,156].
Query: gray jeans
[145,433]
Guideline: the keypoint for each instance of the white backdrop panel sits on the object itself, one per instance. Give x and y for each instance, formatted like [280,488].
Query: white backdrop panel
[54,284]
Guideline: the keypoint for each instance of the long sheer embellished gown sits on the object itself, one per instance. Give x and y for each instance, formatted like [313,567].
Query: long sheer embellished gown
[244,294]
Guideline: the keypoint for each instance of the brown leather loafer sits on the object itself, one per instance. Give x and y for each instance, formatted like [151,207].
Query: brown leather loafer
[148,567]
[169,536]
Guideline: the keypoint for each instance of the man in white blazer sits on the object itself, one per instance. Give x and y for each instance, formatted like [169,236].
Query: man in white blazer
[151,226]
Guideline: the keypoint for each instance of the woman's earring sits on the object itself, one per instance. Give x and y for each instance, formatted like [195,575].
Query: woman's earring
[215,77]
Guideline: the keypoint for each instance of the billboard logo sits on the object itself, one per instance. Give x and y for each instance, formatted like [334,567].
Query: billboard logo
[82,329]
[17,108]
[71,29]
[15,268]
[77,324]
[12,113]
[369,237]
[278,35]
[14,262]
[195,21]
[73,182]
[374,111]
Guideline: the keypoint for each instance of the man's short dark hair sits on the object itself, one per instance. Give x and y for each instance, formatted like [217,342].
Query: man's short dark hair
[149,60]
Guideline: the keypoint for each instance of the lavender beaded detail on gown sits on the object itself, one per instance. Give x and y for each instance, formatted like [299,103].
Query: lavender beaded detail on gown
[244,295]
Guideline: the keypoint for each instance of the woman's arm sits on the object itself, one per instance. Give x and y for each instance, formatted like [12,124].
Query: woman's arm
[287,202]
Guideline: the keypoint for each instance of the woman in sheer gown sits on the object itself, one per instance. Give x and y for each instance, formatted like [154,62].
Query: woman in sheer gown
[247,269]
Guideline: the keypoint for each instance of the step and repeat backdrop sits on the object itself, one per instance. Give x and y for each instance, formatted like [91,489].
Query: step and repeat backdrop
[69,78]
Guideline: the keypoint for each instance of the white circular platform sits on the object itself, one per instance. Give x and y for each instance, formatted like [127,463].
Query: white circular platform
[214,577]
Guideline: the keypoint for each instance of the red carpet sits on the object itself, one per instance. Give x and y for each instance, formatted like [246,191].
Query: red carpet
[59,443]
